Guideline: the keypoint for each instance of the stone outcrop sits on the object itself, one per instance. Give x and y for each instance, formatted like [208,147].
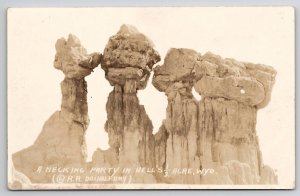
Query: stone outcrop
[127,61]
[219,131]
[61,142]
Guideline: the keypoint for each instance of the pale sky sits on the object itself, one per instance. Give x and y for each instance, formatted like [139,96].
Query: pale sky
[259,35]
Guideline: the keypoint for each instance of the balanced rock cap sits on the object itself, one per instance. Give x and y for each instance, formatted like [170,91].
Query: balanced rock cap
[129,55]
[214,76]
[178,66]
[129,48]
[248,83]
[72,58]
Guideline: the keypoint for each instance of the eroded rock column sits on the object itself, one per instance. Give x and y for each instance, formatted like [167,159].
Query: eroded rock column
[176,141]
[61,142]
[232,92]
[127,61]
[219,132]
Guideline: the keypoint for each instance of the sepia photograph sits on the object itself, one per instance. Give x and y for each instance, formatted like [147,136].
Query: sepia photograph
[151,98]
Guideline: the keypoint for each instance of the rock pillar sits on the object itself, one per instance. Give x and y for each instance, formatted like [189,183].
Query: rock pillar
[127,61]
[61,142]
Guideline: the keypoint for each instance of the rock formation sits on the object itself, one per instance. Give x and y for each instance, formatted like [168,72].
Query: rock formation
[177,138]
[219,131]
[232,92]
[127,61]
[61,142]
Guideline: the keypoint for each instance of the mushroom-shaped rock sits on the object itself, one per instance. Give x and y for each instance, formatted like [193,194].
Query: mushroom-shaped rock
[72,58]
[247,83]
[129,55]
[127,61]
[61,142]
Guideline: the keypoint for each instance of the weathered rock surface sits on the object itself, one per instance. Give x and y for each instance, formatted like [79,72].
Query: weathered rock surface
[218,132]
[247,83]
[227,134]
[179,65]
[129,55]
[127,61]
[72,58]
[61,142]
[213,76]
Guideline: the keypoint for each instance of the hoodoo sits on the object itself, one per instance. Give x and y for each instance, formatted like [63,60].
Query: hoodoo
[61,142]
[127,61]
[219,131]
